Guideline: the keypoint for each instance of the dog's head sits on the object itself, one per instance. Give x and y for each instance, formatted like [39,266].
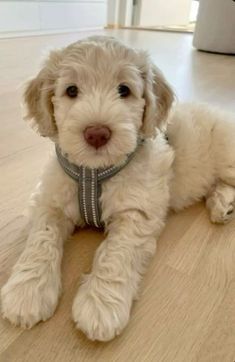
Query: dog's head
[95,98]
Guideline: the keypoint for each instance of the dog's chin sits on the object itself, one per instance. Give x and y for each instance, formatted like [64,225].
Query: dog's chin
[98,161]
[102,157]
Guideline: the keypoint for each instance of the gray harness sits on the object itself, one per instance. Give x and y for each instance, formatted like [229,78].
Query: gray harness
[89,185]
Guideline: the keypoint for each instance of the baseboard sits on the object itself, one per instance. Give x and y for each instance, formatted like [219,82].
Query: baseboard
[172,29]
[21,34]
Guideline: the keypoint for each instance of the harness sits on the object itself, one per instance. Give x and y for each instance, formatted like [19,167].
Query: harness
[89,184]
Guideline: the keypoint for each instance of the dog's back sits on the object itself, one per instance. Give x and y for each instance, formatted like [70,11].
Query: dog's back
[203,140]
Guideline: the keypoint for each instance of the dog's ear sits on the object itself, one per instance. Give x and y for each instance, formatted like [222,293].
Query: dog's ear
[38,98]
[158,100]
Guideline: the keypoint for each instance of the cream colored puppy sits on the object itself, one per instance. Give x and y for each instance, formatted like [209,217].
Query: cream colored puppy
[99,82]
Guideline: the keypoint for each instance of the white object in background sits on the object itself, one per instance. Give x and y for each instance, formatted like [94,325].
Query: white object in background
[162,12]
[51,16]
[15,15]
[215,27]
[63,15]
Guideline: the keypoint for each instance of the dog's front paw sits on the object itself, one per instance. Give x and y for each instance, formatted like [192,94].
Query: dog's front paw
[25,301]
[100,310]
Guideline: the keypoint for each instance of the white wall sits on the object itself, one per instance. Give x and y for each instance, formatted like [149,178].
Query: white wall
[37,16]
[113,12]
[164,12]
[119,12]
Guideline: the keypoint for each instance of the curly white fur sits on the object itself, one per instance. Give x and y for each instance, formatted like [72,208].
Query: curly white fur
[198,162]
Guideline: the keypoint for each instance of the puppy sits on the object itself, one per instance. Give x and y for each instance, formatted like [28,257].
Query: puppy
[96,99]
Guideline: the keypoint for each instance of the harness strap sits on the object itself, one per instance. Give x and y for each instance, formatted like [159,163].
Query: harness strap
[89,184]
[89,193]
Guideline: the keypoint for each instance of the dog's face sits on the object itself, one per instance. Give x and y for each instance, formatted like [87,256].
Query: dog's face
[95,98]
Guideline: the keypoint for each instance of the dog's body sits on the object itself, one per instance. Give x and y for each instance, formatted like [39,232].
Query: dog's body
[197,161]
[203,141]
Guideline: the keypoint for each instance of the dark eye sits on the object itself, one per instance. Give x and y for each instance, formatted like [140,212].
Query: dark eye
[123,91]
[72,91]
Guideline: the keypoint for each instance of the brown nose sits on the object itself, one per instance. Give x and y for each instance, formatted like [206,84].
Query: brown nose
[97,136]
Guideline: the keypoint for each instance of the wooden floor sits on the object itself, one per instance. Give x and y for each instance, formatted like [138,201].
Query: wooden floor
[187,308]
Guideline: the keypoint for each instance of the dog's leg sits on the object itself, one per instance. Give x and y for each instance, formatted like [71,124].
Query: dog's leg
[32,291]
[221,203]
[102,305]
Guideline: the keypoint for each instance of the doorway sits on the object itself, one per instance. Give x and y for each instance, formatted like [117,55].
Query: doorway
[174,15]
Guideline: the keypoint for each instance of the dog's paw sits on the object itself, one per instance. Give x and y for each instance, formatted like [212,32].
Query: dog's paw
[222,216]
[221,213]
[100,311]
[27,301]
[220,203]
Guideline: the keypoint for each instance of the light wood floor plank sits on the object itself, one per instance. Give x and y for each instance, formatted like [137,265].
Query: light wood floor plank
[220,339]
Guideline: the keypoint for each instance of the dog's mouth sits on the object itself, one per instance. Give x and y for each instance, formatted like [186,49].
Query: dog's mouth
[102,157]
[98,146]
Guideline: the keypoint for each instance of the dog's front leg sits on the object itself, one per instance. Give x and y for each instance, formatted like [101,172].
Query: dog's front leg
[102,305]
[32,291]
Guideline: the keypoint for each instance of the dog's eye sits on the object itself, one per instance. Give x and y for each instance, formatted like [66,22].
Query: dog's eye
[72,91]
[123,91]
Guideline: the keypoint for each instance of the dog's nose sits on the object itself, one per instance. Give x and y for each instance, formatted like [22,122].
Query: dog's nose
[97,136]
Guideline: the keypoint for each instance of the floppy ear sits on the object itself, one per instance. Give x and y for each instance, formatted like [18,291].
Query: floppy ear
[158,100]
[38,98]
